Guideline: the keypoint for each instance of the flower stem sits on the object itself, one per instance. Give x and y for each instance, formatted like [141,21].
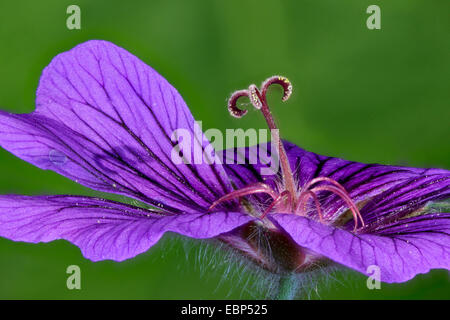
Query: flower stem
[287,289]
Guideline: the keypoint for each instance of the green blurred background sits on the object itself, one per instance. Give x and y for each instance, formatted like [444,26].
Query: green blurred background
[364,95]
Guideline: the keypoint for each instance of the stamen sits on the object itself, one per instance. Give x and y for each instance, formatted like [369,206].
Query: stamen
[251,189]
[280,198]
[347,199]
[325,179]
[303,202]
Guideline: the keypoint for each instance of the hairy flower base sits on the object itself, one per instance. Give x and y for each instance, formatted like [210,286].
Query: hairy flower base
[272,249]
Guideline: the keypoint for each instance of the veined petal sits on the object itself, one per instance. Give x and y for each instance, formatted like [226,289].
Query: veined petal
[382,191]
[103,229]
[402,250]
[411,197]
[105,119]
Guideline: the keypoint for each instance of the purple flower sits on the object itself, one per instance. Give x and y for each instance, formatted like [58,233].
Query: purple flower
[104,119]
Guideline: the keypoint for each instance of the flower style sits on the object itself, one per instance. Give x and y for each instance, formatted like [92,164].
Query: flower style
[104,119]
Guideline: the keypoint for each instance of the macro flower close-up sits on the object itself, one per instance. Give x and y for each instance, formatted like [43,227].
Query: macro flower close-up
[106,120]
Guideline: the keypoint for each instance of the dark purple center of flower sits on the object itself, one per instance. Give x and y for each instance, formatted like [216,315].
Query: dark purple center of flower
[290,198]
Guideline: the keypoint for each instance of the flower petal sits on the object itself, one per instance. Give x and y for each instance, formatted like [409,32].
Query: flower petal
[105,119]
[244,167]
[103,229]
[383,191]
[413,196]
[402,250]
